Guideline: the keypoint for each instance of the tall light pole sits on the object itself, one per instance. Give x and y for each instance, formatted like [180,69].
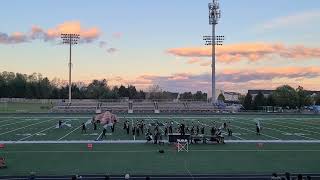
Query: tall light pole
[70,39]
[213,40]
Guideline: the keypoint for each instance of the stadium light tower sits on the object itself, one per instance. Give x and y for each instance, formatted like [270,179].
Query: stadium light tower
[213,40]
[70,39]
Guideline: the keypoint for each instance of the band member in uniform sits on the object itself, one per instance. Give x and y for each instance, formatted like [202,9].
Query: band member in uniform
[127,128]
[170,129]
[84,128]
[202,130]
[258,129]
[94,126]
[104,133]
[197,130]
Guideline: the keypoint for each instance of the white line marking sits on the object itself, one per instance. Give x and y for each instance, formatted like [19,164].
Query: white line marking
[279,130]
[69,132]
[295,128]
[20,121]
[23,127]
[39,132]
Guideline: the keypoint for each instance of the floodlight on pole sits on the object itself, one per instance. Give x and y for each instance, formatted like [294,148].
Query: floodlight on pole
[70,39]
[213,40]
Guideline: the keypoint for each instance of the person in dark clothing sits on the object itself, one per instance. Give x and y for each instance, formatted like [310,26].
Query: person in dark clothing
[197,130]
[125,125]
[94,126]
[170,129]
[156,137]
[138,131]
[182,129]
[202,130]
[104,133]
[258,129]
[84,128]
[113,127]
[213,131]
[229,131]
[300,177]
[166,131]
[60,123]
[142,126]
[128,128]
[133,130]
[192,130]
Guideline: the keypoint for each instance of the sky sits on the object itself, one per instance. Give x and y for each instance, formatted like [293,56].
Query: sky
[147,42]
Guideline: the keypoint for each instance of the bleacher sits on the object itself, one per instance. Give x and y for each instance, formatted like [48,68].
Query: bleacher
[137,107]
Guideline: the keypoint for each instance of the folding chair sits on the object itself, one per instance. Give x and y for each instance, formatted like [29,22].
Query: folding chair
[182,145]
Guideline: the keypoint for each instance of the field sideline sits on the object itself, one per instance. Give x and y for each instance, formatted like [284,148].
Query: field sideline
[33,143]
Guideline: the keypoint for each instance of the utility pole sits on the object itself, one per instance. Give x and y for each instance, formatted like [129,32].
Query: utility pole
[213,40]
[70,39]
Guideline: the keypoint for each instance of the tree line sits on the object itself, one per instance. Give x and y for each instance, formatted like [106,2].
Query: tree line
[284,96]
[35,86]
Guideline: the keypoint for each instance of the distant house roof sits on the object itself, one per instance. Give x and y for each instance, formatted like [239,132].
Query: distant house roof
[232,93]
[263,91]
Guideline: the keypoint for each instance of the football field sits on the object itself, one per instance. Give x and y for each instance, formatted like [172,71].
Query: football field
[33,143]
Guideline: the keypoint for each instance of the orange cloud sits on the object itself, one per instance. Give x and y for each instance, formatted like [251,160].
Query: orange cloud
[249,51]
[86,34]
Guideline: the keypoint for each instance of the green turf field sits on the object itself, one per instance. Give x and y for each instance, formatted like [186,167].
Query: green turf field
[290,143]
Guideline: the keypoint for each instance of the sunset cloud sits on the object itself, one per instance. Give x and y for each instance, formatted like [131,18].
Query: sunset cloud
[230,79]
[14,38]
[86,34]
[38,33]
[250,52]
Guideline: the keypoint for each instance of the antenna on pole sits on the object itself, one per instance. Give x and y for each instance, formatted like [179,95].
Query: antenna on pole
[213,40]
[70,39]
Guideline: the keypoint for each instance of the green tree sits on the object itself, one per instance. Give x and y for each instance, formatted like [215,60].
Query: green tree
[286,96]
[304,99]
[221,97]
[259,101]
[317,99]
[270,101]
[247,103]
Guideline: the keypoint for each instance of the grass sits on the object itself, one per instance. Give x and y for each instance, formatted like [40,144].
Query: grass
[12,107]
[66,158]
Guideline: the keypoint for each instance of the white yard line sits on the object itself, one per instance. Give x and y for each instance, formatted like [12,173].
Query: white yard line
[7,120]
[300,123]
[23,127]
[38,132]
[293,128]
[69,132]
[20,121]
[284,132]
[253,131]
